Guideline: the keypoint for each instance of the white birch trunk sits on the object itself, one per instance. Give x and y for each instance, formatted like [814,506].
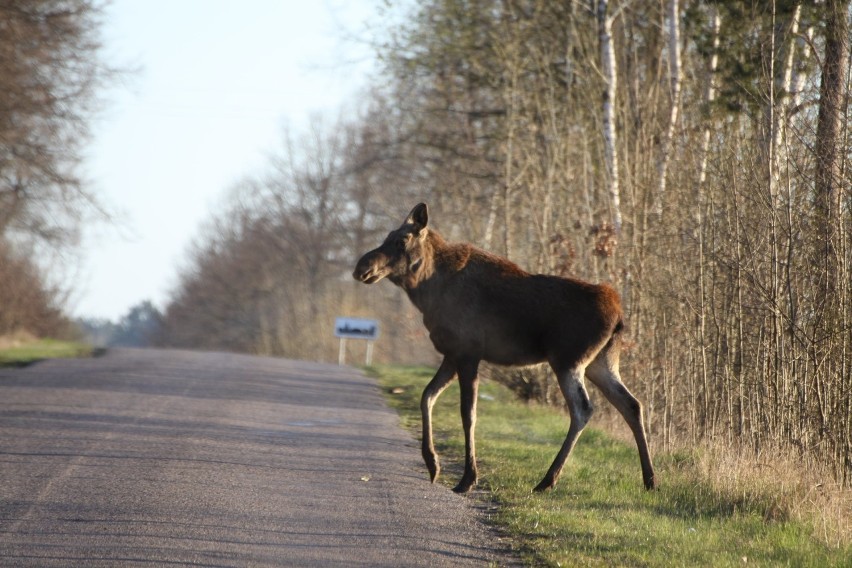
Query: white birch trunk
[509,182]
[803,43]
[779,112]
[492,219]
[786,83]
[610,146]
[675,79]
[709,97]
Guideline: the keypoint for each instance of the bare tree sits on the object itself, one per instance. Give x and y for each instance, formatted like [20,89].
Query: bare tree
[50,72]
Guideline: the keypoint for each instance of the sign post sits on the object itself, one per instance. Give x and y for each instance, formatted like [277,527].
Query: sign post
[355,328]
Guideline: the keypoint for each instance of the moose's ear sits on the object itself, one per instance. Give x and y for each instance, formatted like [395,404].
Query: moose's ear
[419,217]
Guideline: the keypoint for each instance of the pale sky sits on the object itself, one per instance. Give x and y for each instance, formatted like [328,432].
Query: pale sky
[217,83]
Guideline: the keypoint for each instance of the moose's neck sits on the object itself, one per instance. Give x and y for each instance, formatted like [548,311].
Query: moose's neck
[440,261]
[425,268]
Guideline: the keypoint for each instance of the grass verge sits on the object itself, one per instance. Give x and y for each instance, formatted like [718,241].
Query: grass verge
[599,514]
[37,350]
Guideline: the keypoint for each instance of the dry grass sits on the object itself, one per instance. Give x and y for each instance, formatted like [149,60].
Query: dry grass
[16,339]
[783,486]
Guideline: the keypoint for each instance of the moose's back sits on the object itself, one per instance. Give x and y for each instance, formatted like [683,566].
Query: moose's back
[489,307]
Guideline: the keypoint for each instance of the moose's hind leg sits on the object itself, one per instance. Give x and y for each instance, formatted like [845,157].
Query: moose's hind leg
[603,372]
[580,408]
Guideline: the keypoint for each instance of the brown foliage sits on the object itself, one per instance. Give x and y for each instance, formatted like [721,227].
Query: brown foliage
[27,304]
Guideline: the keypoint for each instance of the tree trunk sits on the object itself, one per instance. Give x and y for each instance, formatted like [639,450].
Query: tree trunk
[829,154]
[779,112]
[703,304]
[610,140]
[675,82]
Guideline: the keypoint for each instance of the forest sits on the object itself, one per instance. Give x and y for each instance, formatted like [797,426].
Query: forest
[692,153]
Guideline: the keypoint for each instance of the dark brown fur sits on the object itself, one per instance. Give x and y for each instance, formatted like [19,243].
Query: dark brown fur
[480,307]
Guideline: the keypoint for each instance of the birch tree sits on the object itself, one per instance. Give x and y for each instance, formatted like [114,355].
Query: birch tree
[783,87]
[610,77]
[675,79]
[709,98]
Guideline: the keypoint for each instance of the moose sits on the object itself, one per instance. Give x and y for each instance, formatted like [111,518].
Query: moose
[481,307]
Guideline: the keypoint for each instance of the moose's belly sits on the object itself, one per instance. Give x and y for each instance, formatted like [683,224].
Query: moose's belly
[496,344]
[512,349]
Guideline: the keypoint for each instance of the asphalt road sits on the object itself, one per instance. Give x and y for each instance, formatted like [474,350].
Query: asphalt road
[180,458]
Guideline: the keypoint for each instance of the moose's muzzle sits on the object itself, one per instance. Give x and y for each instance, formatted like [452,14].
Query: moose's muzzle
[370,268]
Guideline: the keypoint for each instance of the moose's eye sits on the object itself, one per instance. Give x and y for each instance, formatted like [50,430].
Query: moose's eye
[400,244]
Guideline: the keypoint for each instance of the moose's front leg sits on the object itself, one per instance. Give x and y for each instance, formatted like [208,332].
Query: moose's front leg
[446,372]
[469,383]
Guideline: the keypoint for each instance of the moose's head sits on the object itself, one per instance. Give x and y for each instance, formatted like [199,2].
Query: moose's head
[401,256]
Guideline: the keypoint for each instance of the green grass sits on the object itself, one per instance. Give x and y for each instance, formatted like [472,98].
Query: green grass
[599,514]
[31,352]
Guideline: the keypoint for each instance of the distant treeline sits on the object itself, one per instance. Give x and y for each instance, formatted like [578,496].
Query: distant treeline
[139,327]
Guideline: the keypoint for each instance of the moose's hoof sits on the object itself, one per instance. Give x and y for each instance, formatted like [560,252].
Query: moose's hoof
[465,485]
[545,484]
[433,466]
